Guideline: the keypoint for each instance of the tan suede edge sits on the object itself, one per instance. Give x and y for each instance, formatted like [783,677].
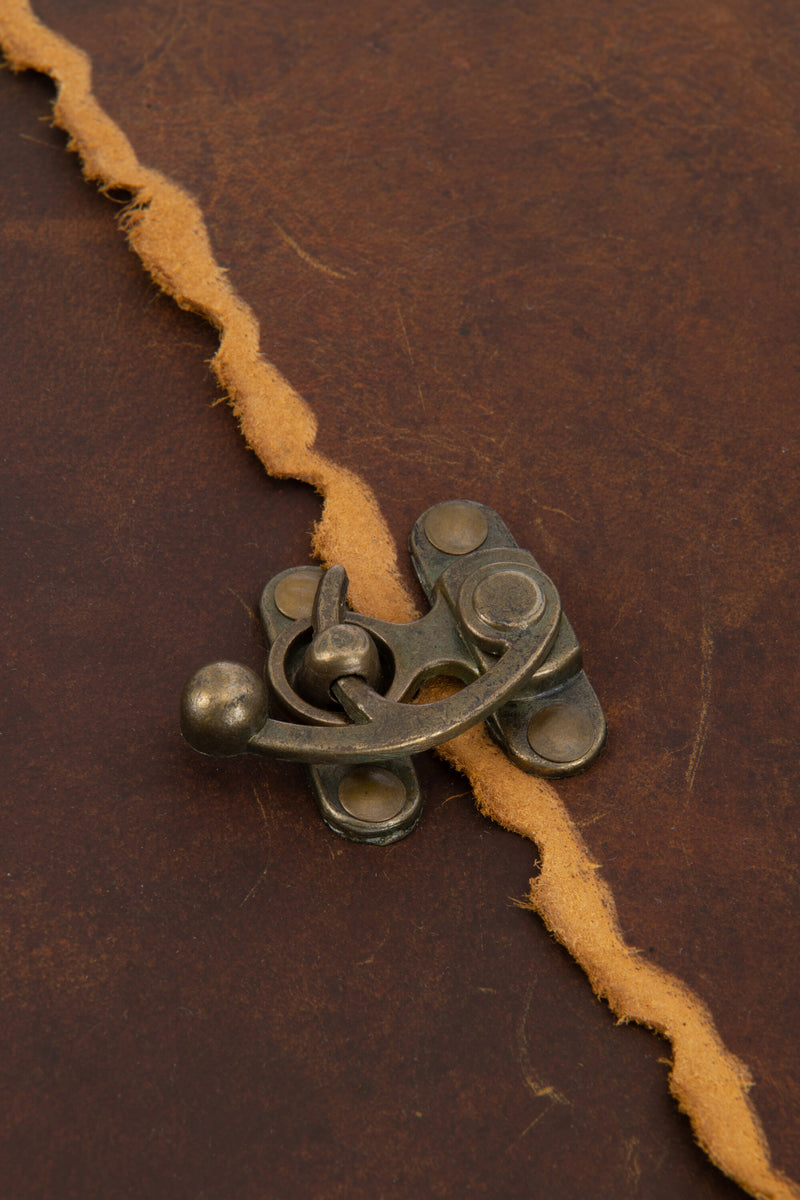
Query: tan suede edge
[166,228]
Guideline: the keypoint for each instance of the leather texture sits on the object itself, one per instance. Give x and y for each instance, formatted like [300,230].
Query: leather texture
[545,258]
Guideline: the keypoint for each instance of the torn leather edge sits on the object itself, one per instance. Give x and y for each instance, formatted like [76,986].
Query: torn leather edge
[165,227]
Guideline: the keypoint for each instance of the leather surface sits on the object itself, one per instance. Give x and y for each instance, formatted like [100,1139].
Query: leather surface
[544,258]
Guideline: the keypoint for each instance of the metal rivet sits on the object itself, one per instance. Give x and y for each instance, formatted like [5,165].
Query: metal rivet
[508,598]
[372,793]
[294,593]
[456,527]
[561,733]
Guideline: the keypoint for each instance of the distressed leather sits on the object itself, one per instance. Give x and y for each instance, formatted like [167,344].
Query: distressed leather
[542,258]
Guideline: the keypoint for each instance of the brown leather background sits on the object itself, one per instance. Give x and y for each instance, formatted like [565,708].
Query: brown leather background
[563,278]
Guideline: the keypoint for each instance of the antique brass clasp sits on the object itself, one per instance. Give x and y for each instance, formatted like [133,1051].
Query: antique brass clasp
[341,684]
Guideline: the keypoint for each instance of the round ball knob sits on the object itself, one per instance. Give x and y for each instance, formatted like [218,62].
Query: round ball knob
[222,706]
[335,652]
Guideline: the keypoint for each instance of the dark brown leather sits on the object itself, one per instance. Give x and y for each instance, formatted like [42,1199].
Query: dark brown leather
[549,262]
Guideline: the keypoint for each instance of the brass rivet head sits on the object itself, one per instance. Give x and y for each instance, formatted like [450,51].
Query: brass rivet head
[372,794]
[456,527]
[508,598]
[561,733]
[294,593]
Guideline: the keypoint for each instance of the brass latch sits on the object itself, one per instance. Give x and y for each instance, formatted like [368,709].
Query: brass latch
[341,684]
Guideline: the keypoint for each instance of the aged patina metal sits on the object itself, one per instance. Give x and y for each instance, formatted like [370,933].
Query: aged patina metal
[342,683]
